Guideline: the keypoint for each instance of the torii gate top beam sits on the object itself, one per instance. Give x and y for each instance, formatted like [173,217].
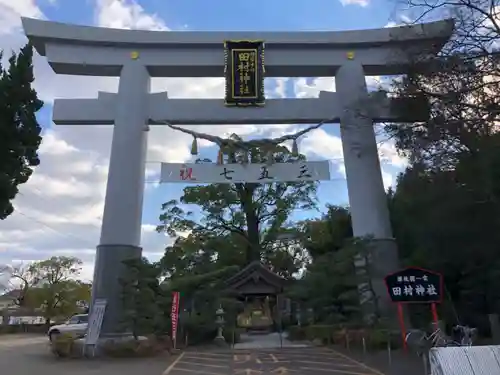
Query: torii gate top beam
[84,50]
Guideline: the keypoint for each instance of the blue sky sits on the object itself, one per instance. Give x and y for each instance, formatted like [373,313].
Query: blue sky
[65,196]
[276,15]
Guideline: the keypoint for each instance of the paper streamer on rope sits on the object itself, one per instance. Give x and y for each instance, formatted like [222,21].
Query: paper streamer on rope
[244,72]
[220,157]
[295,148]
[194,147]
[474,360]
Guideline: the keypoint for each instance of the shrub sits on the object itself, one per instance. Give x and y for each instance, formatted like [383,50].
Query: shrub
[200,329]
[148,347]
[164,342]
[63,345]
[321,333]
[23,328]
[232,334]
[120,349]
[296,333]
[379,338]
[375,338]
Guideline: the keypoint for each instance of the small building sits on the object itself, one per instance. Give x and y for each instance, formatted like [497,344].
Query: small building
[9,300]
[261,291]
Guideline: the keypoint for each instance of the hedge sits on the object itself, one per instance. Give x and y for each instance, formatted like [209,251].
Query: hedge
[23,328]
[374,338]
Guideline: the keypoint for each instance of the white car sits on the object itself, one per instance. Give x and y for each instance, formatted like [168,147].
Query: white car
[76,325]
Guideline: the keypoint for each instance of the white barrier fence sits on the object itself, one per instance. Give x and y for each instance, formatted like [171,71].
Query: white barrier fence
[474,360]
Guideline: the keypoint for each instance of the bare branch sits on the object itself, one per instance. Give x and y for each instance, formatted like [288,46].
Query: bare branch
[19,279]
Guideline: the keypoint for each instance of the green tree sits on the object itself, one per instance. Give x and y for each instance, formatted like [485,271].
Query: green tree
[19,129]
[251,214]
[147,301]
[448,221]
[337,284]
[238,224]
[142,298]
[328,233]
[445,208]
[58,289]
[338,287]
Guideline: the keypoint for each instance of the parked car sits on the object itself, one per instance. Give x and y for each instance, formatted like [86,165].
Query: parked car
[76,325]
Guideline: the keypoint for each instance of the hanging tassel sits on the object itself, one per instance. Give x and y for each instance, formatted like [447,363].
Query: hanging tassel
[220,157]
[295,148]
[194,147]
[270,157]
[245,157]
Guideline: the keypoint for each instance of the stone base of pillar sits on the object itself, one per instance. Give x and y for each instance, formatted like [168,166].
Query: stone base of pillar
[109,269]
[384,260]
[99,350]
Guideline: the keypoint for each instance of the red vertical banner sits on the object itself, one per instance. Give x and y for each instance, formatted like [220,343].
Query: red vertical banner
[174,316]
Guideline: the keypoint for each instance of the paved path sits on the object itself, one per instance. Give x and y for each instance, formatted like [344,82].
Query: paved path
[286,361]
[266,341]
[30,355]
[27,356]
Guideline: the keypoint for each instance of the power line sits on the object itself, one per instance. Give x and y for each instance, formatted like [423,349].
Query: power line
[68,235]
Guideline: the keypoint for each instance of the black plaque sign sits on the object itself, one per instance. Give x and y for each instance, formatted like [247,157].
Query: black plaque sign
[415,285]
[244,72]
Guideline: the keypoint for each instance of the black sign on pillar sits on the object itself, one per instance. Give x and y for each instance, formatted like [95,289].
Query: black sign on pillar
[244,72]
[415,285]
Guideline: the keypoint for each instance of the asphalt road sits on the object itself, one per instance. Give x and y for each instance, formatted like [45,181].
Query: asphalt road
[287,361]
[23,355]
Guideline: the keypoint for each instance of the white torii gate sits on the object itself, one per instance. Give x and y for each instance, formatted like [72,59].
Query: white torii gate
[135,56]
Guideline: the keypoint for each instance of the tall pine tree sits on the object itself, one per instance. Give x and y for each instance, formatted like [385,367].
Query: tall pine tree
[19,129]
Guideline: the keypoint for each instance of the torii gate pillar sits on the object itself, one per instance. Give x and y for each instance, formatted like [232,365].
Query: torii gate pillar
[365,186]
[121,222]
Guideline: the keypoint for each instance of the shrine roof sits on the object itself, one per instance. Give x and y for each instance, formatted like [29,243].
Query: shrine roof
[253,270]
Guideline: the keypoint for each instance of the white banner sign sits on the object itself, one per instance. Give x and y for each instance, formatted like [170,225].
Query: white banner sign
[257,173]
[95,321]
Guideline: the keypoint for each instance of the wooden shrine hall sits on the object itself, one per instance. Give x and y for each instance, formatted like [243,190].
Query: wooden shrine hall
[261,290]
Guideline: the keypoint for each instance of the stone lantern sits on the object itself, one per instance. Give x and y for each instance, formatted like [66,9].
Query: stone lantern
[219,321]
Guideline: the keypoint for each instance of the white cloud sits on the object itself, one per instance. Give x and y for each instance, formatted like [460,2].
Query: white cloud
[59,210]
[362,3]
[401,19]
[388,154]
[319,143]
[126,14]
[10,11]
[322,145]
